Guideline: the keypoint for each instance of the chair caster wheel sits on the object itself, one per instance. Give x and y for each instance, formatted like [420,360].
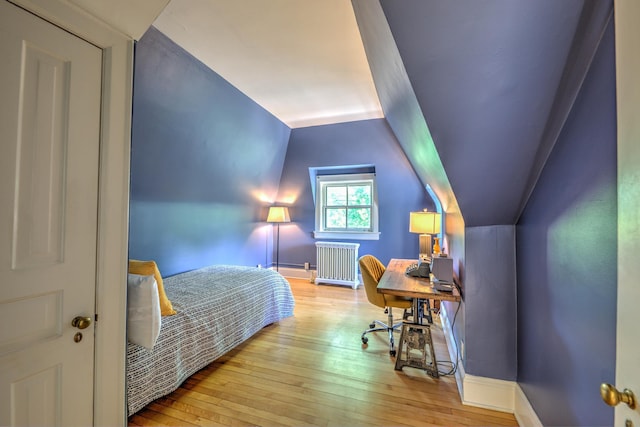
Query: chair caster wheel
[365,340]
[372,325]
[392,353]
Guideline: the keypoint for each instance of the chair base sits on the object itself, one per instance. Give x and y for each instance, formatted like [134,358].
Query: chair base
[390,327]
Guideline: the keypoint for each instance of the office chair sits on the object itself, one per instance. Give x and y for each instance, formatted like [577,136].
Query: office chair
[372,270]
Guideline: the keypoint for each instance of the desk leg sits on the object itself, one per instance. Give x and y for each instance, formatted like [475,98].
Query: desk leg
[416,349]
[419,305]
[417,311]
[429,314]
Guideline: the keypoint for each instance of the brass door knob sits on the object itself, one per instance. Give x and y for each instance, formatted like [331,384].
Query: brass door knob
[612,396]
[81,322]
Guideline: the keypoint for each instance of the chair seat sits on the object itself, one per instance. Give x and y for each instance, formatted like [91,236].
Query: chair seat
[372,270]
[398,302]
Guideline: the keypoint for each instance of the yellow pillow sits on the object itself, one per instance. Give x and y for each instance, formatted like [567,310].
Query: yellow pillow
[148,268]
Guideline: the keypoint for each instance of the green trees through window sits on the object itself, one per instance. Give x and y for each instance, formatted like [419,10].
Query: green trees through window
[348,206]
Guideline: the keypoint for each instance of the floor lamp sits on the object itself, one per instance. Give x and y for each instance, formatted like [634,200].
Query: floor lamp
[278,215]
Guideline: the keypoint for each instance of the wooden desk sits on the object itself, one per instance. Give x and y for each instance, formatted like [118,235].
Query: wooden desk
[395,282]
[415,336]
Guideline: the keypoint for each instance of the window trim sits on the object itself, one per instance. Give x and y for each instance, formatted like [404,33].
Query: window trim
[321,182]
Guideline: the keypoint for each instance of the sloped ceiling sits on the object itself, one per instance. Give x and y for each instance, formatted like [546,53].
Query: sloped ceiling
[494,79]
[301,60]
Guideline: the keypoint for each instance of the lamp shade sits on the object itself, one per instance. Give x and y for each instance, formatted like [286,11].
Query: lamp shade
[424,222]
[278,214]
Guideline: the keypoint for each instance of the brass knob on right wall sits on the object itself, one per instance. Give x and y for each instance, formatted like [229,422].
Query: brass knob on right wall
[612,396]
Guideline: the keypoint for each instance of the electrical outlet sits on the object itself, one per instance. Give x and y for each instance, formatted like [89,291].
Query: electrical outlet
[462,349]
[307,266]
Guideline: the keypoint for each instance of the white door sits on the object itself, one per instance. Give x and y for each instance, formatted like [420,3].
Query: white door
[627,19]
[49,140]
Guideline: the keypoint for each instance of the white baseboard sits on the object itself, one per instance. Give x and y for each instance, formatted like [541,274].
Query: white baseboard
[524,413]
[300,273]
[489,393]
[297,273]
[452,347]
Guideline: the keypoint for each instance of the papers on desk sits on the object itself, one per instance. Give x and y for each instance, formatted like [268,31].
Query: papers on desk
[442,285]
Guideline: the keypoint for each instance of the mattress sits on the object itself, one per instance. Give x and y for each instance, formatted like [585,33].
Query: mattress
[218,307]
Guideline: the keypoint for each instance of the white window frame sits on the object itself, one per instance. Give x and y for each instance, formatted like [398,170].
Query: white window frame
[322,181]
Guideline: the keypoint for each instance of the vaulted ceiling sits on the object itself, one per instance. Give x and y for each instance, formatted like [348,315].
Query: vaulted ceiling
[302,60]
[494,80]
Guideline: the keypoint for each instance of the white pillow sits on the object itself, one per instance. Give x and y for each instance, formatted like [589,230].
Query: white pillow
[143,310]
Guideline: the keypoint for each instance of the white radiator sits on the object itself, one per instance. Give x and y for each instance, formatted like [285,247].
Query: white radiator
[337,263]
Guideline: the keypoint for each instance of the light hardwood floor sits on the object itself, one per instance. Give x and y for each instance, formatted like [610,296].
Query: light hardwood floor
[312,370]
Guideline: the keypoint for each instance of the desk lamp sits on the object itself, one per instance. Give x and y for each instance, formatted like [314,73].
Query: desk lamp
[425,223]
[278,215]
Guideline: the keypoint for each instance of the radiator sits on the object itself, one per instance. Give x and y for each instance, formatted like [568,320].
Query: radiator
[337,263]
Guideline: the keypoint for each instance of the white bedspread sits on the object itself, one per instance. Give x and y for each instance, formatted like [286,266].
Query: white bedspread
[218,308]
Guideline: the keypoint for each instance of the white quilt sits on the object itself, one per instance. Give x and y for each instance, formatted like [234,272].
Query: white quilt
[218,308]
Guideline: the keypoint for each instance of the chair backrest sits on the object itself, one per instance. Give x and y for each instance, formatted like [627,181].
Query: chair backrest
[372,270]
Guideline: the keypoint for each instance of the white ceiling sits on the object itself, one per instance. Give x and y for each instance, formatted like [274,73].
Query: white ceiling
[131,17]
[301,60]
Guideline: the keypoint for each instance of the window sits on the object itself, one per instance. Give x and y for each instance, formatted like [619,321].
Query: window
[346,207]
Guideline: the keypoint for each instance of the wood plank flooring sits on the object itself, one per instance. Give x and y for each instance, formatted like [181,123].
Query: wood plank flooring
[313,370]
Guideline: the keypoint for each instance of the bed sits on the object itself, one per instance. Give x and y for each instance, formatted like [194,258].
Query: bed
[218,307]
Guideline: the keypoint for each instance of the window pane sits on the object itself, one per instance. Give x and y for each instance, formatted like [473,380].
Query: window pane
[359,218]
[359,195]
[346,203]
[336,218]
[336,195]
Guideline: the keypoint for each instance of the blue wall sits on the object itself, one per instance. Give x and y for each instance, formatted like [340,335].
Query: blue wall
[490,325]
[566,262]
[352,143]
[205,161]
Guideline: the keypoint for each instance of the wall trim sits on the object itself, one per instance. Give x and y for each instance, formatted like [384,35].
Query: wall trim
[300,273]
[489,393]
[452,347]
[297,273]
[525,415]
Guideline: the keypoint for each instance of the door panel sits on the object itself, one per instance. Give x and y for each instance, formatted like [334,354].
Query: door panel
[37,238]
[49,142]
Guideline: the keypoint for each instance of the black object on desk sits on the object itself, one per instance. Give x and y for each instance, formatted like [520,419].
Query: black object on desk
[418,270]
